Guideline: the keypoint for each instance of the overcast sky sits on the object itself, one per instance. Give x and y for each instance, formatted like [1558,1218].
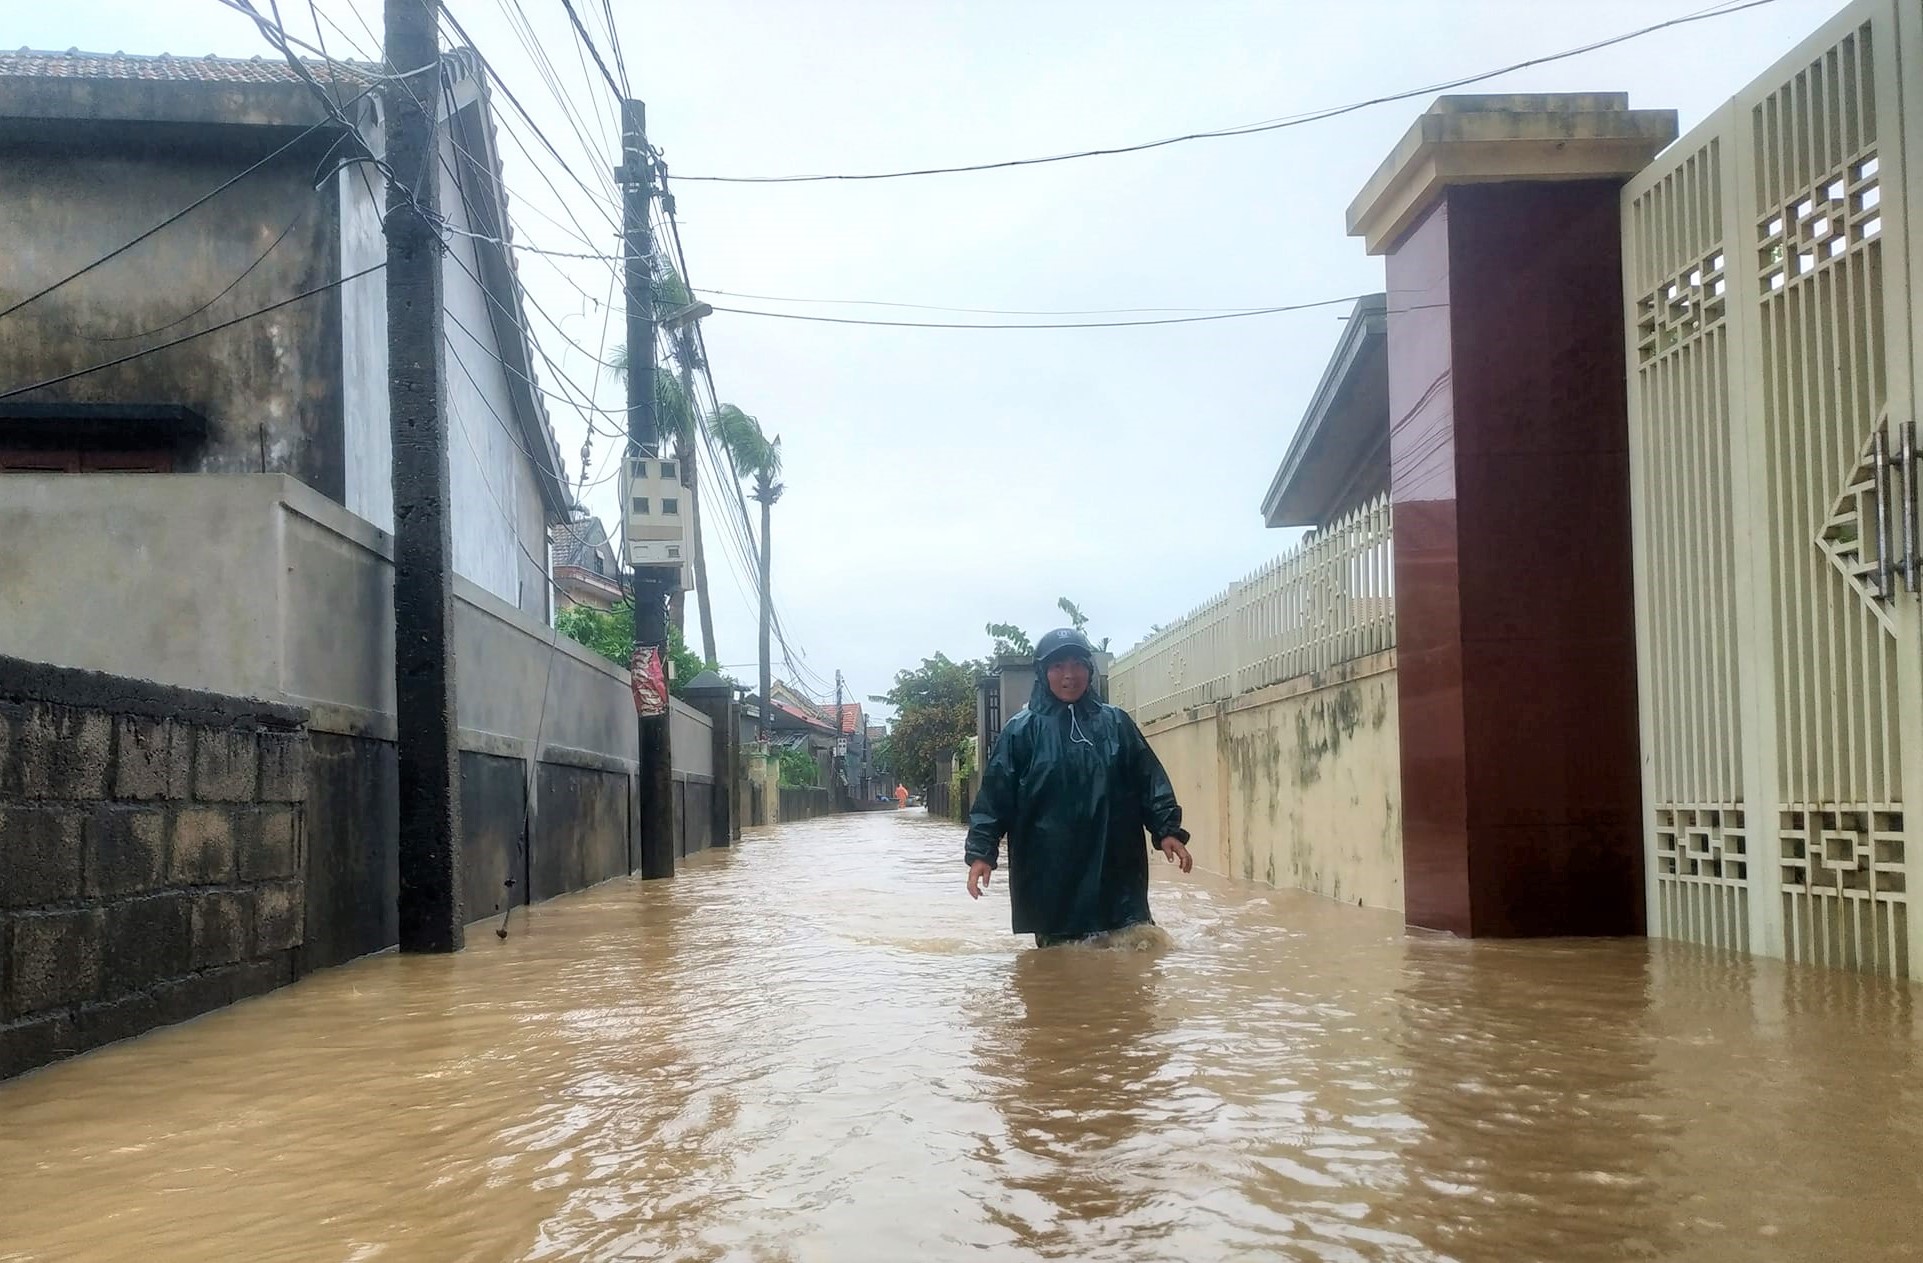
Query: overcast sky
[942,479]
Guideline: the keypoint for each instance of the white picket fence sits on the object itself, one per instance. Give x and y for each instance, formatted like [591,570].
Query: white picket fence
[1327,601]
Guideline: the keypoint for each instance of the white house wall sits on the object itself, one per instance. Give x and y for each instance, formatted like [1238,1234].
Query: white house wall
[499,527]
[368,442]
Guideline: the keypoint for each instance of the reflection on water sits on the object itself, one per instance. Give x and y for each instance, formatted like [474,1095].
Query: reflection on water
[817,1048]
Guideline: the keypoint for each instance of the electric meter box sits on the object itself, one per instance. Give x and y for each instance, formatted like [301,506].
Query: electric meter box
[656,514]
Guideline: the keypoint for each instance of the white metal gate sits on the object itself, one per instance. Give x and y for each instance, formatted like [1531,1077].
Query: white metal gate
[1773,367]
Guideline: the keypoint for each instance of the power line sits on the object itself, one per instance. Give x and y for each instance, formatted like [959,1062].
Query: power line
[614,43]
[979,311]
[543,64]
[1248,129]
[177,216]
[225,290]
[578,397]
[540,135]
[587,41]
[1085,324]
[225,324]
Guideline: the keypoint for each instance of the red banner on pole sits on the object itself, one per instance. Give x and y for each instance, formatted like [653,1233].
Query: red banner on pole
[650,683]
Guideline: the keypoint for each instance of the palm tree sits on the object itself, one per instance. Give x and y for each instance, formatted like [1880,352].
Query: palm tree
[755,455]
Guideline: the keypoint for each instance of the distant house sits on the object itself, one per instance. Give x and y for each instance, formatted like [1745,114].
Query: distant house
[857,767]
[797,722]
[292,208]
[586,570]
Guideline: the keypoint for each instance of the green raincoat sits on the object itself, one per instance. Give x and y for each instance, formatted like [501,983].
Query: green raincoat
[1073,788]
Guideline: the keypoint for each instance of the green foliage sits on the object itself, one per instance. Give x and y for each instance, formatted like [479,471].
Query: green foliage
[674,412]
[1010,641]
[755,455]
[670,292]
[934,713]
[797,769]
[610,633]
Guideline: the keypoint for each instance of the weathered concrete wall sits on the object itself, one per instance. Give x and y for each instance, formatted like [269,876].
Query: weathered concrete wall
[805,802]
[1298,785]
[694,814]
[353,855]
[151,856]
[581,837]
[493,834]
[692,734]
[301,390]
[270,388]
[258,586]
[759,801]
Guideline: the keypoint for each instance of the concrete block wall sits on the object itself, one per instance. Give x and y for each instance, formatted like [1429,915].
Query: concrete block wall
[151,856]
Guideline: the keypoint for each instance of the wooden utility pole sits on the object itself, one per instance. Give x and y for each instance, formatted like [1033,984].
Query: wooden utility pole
[651,584]
[429,903]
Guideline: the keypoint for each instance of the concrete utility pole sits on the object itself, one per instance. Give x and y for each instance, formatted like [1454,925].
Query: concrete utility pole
[429,904]
[767,662]
[651,585]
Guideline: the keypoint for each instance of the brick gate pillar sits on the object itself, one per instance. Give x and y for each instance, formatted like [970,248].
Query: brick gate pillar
[1509,475]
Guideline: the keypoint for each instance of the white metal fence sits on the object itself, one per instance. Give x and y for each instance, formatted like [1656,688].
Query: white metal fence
[1325,602]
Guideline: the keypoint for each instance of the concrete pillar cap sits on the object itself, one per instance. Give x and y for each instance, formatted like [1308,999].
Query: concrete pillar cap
[1499,139]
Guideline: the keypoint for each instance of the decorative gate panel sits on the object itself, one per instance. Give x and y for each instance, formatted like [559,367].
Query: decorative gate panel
[1771,421]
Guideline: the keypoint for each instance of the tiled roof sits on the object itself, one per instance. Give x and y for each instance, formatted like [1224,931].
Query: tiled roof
[165,67]
[851,717]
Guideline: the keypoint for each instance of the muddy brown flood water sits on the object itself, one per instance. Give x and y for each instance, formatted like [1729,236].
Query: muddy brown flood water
[816,1048]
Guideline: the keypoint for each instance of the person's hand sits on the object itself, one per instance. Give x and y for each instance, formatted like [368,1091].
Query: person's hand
[1176,853]
[978,874]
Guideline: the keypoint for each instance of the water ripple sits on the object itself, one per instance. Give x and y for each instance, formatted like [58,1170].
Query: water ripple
[815,1047]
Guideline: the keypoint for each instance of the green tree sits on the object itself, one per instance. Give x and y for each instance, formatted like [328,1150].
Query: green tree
[1078,620]
[797,768]
[755,456]
[934,713]
[1010,641]
[610,633]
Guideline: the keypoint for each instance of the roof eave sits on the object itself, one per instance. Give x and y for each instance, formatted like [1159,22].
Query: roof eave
[1282,505]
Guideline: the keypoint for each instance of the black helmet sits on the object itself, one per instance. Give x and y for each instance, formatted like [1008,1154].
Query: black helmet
[1064,642]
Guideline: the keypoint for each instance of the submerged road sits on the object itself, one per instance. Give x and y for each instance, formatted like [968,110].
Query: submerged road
[814,1047]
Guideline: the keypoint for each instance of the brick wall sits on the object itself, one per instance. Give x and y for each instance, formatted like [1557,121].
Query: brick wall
[151,856]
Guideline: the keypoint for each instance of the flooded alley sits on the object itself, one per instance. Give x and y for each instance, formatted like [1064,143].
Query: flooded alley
[814,1047]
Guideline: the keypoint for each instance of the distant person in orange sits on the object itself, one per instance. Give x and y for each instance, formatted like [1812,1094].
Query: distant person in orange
[901,797]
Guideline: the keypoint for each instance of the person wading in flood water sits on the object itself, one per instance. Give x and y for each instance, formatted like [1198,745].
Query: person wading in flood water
[1072,784]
